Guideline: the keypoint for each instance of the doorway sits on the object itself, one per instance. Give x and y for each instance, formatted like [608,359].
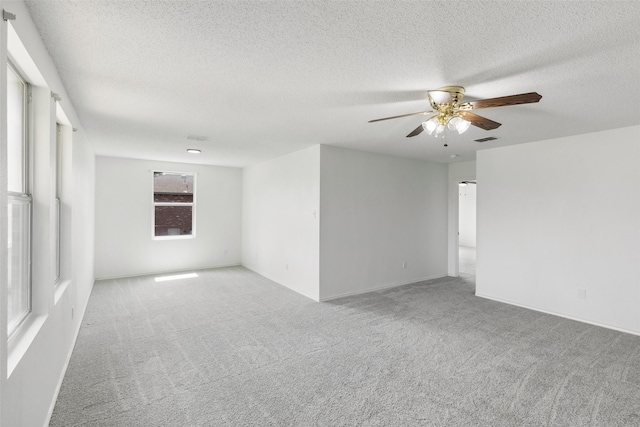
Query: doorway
[467,230]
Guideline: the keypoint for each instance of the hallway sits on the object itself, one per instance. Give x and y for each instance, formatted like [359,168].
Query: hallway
[467,265]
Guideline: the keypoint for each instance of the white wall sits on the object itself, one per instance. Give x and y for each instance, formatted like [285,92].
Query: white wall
[124,246]
[560,216]
[280,225]
[377,212]
[467,215]
[83,225]
[33,385]
[39,356]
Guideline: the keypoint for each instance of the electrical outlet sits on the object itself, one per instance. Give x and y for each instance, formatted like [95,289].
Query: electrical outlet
[72,312]
[582,294]
[404,265]
[286,267]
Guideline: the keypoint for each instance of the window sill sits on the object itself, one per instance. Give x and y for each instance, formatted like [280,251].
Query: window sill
[60,287]
[22,339]
[185,237]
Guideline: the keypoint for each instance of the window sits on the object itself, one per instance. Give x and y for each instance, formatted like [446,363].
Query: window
[59,192]
[56,238]
[57,206]
[173,204]
[19,201]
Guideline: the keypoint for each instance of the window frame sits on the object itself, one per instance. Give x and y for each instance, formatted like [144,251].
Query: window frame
[155,204]
[57,206]
[57,247]
[25,198]
[25,128]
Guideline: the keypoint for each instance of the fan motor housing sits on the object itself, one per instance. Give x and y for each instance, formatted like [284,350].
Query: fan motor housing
[457,93]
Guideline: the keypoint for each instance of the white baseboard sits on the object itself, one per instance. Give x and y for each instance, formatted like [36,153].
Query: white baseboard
[382,287]
[578,319]
[155,273]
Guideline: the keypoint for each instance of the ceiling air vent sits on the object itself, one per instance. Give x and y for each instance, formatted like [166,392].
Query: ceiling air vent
[489,138]
[197,138]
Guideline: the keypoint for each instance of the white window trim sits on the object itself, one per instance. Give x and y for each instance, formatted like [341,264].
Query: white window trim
[38,130]
[61,194]
[25,196]
[24,199]
[26,164]
[56,236]
[192,204]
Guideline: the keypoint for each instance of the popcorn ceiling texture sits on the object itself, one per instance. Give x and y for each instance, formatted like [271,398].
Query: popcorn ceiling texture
[262,79]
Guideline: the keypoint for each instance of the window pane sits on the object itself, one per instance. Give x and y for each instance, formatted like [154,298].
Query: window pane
[172,184]
[173,220]
[15,132]
[56,236]
[19,219]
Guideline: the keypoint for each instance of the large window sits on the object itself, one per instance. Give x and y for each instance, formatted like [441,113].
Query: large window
[19,201]
[173,204]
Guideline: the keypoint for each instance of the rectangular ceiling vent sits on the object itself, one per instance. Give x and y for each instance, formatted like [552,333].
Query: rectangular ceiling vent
[489,138]
[197,138]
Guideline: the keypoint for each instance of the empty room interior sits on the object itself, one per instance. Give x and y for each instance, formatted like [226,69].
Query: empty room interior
[320,213]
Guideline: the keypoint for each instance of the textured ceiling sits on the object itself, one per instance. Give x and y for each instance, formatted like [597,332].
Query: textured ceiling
[264,78]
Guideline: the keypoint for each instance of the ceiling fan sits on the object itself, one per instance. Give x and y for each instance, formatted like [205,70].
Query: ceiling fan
[449,112]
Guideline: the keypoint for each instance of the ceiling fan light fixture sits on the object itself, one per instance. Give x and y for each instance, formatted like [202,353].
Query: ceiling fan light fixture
[439,130]
[462,126]
[430,125]
[452,114]
[458,124]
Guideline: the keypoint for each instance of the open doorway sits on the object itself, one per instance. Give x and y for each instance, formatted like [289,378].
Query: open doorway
[467,230]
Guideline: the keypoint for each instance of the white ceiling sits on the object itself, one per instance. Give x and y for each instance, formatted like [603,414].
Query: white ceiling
[264,78]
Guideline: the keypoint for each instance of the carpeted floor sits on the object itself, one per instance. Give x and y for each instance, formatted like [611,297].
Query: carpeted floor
[233,348]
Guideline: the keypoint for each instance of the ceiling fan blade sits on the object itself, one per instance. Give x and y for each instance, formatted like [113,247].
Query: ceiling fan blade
[479,121]
[439,97]
[402,115]
[523,98]
[416,131]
